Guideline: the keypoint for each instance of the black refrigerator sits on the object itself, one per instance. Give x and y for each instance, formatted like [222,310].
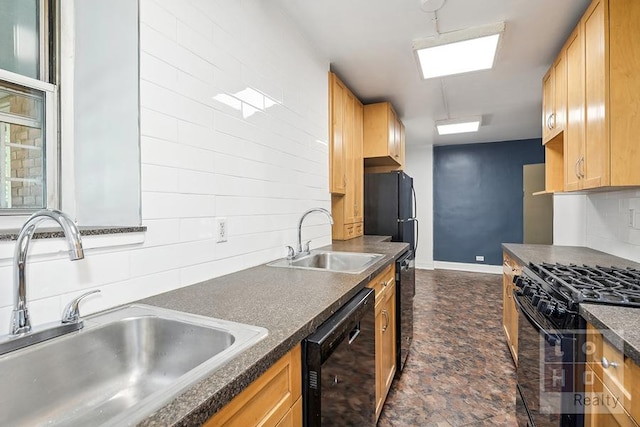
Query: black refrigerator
[390,210]
[390,207]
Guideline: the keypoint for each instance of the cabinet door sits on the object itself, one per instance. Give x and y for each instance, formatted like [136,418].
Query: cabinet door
[358,170]
[548,104]
[596,156]
[337,155]
[348,138]
[560,93]
[380,394]
[574,153]
[509,312]
[389,338]
[268,399]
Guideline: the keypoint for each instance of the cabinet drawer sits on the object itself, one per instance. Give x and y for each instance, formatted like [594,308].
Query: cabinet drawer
[621,375]
[602,407]
[349,231]
[381,283]
[359,229]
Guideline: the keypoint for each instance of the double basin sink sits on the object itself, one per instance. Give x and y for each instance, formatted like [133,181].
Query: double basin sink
[125,364]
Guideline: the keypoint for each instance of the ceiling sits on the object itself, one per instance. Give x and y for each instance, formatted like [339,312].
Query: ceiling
[368,43]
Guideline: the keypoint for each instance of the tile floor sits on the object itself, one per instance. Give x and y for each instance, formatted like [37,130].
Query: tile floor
[459,371]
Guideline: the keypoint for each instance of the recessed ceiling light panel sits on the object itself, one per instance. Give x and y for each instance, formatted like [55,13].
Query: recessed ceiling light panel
[458,52]
[448,127]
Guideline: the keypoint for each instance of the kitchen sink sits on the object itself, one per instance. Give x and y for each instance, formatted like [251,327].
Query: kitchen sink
[343,262]
[122,366]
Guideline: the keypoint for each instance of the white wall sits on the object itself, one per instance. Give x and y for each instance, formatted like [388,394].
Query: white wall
[419,165]
[234,124]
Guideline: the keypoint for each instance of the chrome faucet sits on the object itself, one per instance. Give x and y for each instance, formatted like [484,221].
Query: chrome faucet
[21,333]
[20,321]
[299,250]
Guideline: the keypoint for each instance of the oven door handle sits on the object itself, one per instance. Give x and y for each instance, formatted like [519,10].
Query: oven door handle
[551,338]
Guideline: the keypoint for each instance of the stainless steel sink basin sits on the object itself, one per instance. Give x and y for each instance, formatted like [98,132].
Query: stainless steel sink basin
[122,366]
[343,262]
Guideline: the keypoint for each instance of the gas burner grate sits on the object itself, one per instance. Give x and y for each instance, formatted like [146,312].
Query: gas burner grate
[600,285]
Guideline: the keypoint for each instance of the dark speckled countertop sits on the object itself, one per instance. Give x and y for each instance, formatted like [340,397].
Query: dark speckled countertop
[290,303]
[620,325]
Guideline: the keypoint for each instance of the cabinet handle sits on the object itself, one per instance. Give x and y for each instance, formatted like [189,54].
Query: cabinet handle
[387,283]
[551,124]
[606,364]
[575,168]
[386,318]
[580,168]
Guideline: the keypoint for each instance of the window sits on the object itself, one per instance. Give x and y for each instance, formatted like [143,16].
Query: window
[28,113]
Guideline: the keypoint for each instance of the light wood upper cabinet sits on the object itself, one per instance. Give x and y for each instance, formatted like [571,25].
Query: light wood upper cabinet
[345,161]
[574,136]
[602,57]
[554,99]
[337,152]
[382,136]
[358,168]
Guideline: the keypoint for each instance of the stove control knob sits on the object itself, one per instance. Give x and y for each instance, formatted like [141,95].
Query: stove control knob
[518,280]
[535,299]
[544,305]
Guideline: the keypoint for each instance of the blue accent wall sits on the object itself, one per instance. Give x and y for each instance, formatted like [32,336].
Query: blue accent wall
[477,198]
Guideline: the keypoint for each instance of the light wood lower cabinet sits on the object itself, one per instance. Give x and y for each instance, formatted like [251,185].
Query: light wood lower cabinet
[385,288]
[509,312]
[612,393]
[274,399]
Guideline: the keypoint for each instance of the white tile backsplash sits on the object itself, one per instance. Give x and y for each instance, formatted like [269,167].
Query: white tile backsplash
[609,223]
[260,166]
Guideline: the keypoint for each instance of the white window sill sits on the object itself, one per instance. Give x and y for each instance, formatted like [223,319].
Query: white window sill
[51,241]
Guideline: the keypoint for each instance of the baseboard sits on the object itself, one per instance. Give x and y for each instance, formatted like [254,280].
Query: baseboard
[461,266]
[424,265]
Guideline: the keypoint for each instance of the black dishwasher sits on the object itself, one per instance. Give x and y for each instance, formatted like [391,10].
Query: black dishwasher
[339,367]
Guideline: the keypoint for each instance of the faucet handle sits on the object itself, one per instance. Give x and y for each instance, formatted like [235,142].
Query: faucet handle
[291,253]
[306,249]
[71,313]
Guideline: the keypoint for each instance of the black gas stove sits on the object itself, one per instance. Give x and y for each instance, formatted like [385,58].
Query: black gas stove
[551,335]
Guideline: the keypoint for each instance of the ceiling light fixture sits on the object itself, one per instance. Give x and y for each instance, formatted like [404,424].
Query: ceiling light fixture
[458,51]
[448,127]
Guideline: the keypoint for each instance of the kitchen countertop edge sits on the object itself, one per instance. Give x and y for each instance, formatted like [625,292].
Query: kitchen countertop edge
[201,400]
[618,324]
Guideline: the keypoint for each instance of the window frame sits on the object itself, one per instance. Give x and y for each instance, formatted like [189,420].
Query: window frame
[48,42]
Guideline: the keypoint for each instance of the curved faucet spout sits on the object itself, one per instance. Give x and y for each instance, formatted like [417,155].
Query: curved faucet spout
[304,215]
[20,322]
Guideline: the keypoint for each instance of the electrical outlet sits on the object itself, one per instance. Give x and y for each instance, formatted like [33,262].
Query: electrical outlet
[222,229]
[480,258]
